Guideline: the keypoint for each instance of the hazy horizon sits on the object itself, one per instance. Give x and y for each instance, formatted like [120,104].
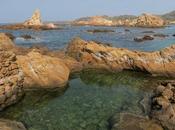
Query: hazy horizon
[57,10]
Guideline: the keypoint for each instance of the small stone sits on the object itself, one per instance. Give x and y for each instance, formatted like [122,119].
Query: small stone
[167,93]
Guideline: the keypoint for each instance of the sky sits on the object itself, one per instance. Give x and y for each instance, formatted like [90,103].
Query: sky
[61,10]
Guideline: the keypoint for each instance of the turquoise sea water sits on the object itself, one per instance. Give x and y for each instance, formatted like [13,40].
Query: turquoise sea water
[90,98]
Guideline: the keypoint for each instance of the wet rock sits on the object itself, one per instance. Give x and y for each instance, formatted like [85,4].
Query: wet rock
[173,35]
[148,32]
[27,37]
[160,35]
[43,71]
[144,38]
[129,121]
[11,125]
[163,109]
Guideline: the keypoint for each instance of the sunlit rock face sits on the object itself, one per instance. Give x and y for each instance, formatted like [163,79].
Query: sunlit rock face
[43,71]
[5,41]
[96,55]
[149,20]
[35,20]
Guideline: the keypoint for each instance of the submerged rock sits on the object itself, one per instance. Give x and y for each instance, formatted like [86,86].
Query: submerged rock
[11,125]
[42,70]
[129,121]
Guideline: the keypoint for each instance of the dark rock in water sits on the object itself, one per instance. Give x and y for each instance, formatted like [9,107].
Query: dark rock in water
[11,36]
[129,121]
[11,125]
[127,30]
[27,37]
[173,35]
[148,32]
[160,35]
[145,38]
[100,31]
[163,105]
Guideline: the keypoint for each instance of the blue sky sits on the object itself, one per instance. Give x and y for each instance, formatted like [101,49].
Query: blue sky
[19,10]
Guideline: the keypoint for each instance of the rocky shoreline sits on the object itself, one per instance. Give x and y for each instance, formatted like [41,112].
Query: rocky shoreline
[23,68]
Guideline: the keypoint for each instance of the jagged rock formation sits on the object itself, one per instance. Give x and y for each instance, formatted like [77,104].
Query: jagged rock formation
[43,71]
[148,20]
[11,79]
[163,105]
[35,20]
[94,55]
[11,125]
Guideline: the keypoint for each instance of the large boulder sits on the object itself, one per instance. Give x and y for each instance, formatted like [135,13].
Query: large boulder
[11,79]
[149,20]
[95,55]
[35,20]
[42,70]
[11,125]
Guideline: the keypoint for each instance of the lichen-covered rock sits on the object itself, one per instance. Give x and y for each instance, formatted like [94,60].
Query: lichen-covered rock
[94,55]
[11,79]
[163,105]
[43,71]
[11,125]
[35,20]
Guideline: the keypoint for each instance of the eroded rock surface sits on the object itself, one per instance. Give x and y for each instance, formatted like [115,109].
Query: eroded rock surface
[11,125]
[163,105]
[11,79]
[42,70]
[5,41]
[94,55]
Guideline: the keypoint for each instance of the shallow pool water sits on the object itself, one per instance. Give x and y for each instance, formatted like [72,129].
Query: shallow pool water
[87,103]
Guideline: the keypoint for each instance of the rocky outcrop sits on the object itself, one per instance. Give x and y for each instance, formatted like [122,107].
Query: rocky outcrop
[129,121]
[5,41]
[35,20]
[11,125]
[95,21]
[145,20]
[144,38]
[163,105]
[94,55]
[43,71]
[148,20]
[11,79]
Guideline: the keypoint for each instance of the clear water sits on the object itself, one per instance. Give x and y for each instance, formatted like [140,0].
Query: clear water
[56,39]
[87,103]
[90,98]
